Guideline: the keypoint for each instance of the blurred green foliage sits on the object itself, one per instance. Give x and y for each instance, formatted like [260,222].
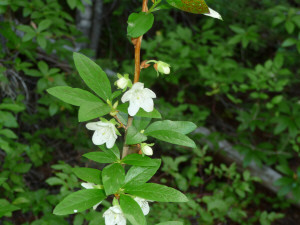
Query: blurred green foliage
[239,77]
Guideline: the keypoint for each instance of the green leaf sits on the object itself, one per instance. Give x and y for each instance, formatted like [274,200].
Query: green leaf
[8,133]
[183,127]
[139,24]
[113,177]
[138,175]
[72,3]
[141,112]
[132,210]
[88,174]
[43,25]
[73,96]
[157,192]
[139,160]
[172,137]
[79,201]
[101,157]
[141,122]
[192,6]
[42,41]
[2,180]
[171,223]
[6,207]
[12,107]
[289,42]
[134,136]
[92,74]
[92,110]
[114,151]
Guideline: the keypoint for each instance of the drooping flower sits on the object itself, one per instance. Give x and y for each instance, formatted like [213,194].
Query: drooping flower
[143,203]
[214,14]
[123,82]
[105,132]
[139,97]
[163,67]
[114,216]
[90,186]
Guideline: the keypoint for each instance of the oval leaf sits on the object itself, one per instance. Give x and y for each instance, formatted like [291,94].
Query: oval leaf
[139,24]
[132,210]
[139,160]
[183,127]
[191,6]
[101,157]
[113,177]
[79,201]
[134,136]
[92,74]
[88,174]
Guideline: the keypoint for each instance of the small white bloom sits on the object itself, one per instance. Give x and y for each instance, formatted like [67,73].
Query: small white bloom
[104,133]
[147,150]
[75,210]
[143,203]
[114,216]
[90,186]
[163,67]
[214,14]
[123,82]
[139,97]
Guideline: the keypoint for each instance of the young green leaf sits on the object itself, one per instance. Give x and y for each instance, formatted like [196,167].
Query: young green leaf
[6,207]
[157,192]
[132,210]
[141,112]
[101,157]
[183,127]
[192,6]
[134,136]
[138,175]
[139,24]
[88,174]
[73,96]
[94,77]
[79,201]
[172,137]
[113,177]
[92,110]
[139,160]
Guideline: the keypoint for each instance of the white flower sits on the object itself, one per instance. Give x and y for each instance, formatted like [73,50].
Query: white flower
[143,203]
[139,97]
[104,133]
[147,150]
[163,67]
[214,14]
[114,216]
[90,186]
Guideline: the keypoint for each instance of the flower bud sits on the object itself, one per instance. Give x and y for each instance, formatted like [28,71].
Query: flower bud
[123,82]
[163,67]
[147,150]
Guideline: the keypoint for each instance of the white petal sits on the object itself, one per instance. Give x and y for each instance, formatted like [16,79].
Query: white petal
[133,108]
[127,96]
[148,93]
[98,138]
[214,14]
[110,142]
[122,220]
[148,104]
[92,126]
[116,209]
[143,203]
[137,86]
[109,218]
[95,206]
[88,185]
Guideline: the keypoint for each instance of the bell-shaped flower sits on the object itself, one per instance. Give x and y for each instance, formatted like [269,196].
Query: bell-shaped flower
[214,14]
[91,186]
[143,203]
[114,216]
[105,132]
[139,97]
[123,82]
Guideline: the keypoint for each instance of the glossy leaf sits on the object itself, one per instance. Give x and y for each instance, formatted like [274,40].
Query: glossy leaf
[132,210]
[138,160]
[101,157]
[157,192]
[183,127]
[191,6]
[79,201]
[134,136]
[92,74]
[141,112]
[92,110]
[141,122]
[113,177]
[88,174]
[139,24]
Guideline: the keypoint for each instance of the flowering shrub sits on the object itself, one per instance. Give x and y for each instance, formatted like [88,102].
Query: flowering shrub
[129,188]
